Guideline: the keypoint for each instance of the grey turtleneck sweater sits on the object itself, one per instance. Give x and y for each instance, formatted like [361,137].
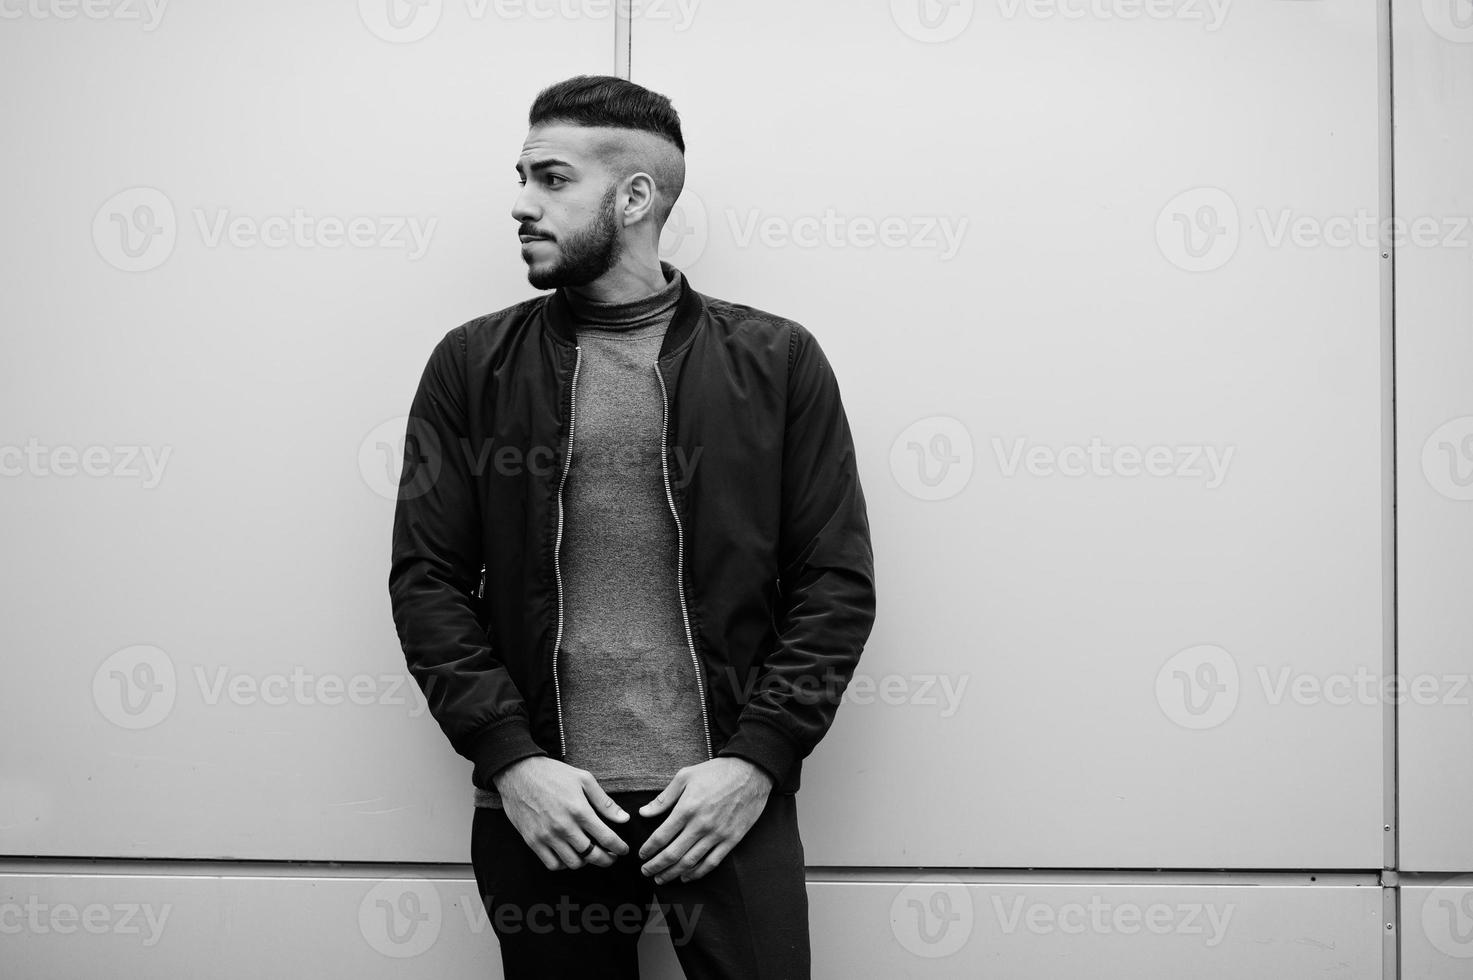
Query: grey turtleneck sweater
[631,711]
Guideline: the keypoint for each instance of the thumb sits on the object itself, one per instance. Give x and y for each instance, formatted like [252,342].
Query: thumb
[667,797]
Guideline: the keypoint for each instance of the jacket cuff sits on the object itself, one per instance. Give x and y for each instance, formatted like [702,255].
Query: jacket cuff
[764,746]
[498,747]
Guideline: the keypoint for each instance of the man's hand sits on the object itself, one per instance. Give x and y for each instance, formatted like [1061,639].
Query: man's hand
[552,806]
[716,802]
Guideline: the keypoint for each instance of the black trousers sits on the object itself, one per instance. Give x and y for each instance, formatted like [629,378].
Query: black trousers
[746,920]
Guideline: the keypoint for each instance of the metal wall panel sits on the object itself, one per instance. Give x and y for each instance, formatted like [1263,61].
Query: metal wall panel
[1437,929]
[146,926]
[1077,663]
[1434,422]
[211,257]
[1043,244]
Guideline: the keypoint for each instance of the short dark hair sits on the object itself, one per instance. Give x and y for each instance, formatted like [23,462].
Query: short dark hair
[606,100]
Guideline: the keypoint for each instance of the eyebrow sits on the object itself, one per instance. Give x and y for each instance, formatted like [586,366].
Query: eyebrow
[544,164]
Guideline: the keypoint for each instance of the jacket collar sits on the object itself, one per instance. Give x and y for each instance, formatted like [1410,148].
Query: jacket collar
[557,317]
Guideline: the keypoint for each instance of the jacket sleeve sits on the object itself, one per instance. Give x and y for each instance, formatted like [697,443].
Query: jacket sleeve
[434,570]
[826,604]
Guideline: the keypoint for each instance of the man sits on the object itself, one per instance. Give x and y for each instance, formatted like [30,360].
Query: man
[631,571]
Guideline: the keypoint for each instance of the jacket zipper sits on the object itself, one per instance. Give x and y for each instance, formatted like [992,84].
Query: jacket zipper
[557,693]
[680,560]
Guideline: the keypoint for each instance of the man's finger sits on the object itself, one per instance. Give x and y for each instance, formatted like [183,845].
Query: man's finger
[567,857]
[671,852]
[667,796]
[713,858]
[605,840]
[691,859]
[597,855]
[602,802]
[602,834]
[662,835]
[546,856]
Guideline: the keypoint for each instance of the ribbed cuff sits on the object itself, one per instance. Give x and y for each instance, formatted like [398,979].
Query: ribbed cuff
[764,746]
[498,747]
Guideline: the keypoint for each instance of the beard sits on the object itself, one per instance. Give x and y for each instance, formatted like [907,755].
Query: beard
[583,255]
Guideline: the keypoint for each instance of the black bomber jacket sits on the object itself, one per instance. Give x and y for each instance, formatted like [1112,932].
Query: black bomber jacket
[774,564]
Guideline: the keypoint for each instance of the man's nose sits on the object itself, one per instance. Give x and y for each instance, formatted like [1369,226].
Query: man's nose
[522,210]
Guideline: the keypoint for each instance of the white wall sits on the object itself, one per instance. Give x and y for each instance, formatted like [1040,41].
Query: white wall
[1038,691]
[271,376]
[1434,417]
[1052,602]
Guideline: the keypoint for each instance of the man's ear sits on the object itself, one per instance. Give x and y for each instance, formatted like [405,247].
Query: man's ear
[641,201]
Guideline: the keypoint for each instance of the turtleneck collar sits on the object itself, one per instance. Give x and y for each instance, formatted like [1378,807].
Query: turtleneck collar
[615,315]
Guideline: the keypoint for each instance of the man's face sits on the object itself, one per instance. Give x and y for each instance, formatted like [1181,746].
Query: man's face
[565,211]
